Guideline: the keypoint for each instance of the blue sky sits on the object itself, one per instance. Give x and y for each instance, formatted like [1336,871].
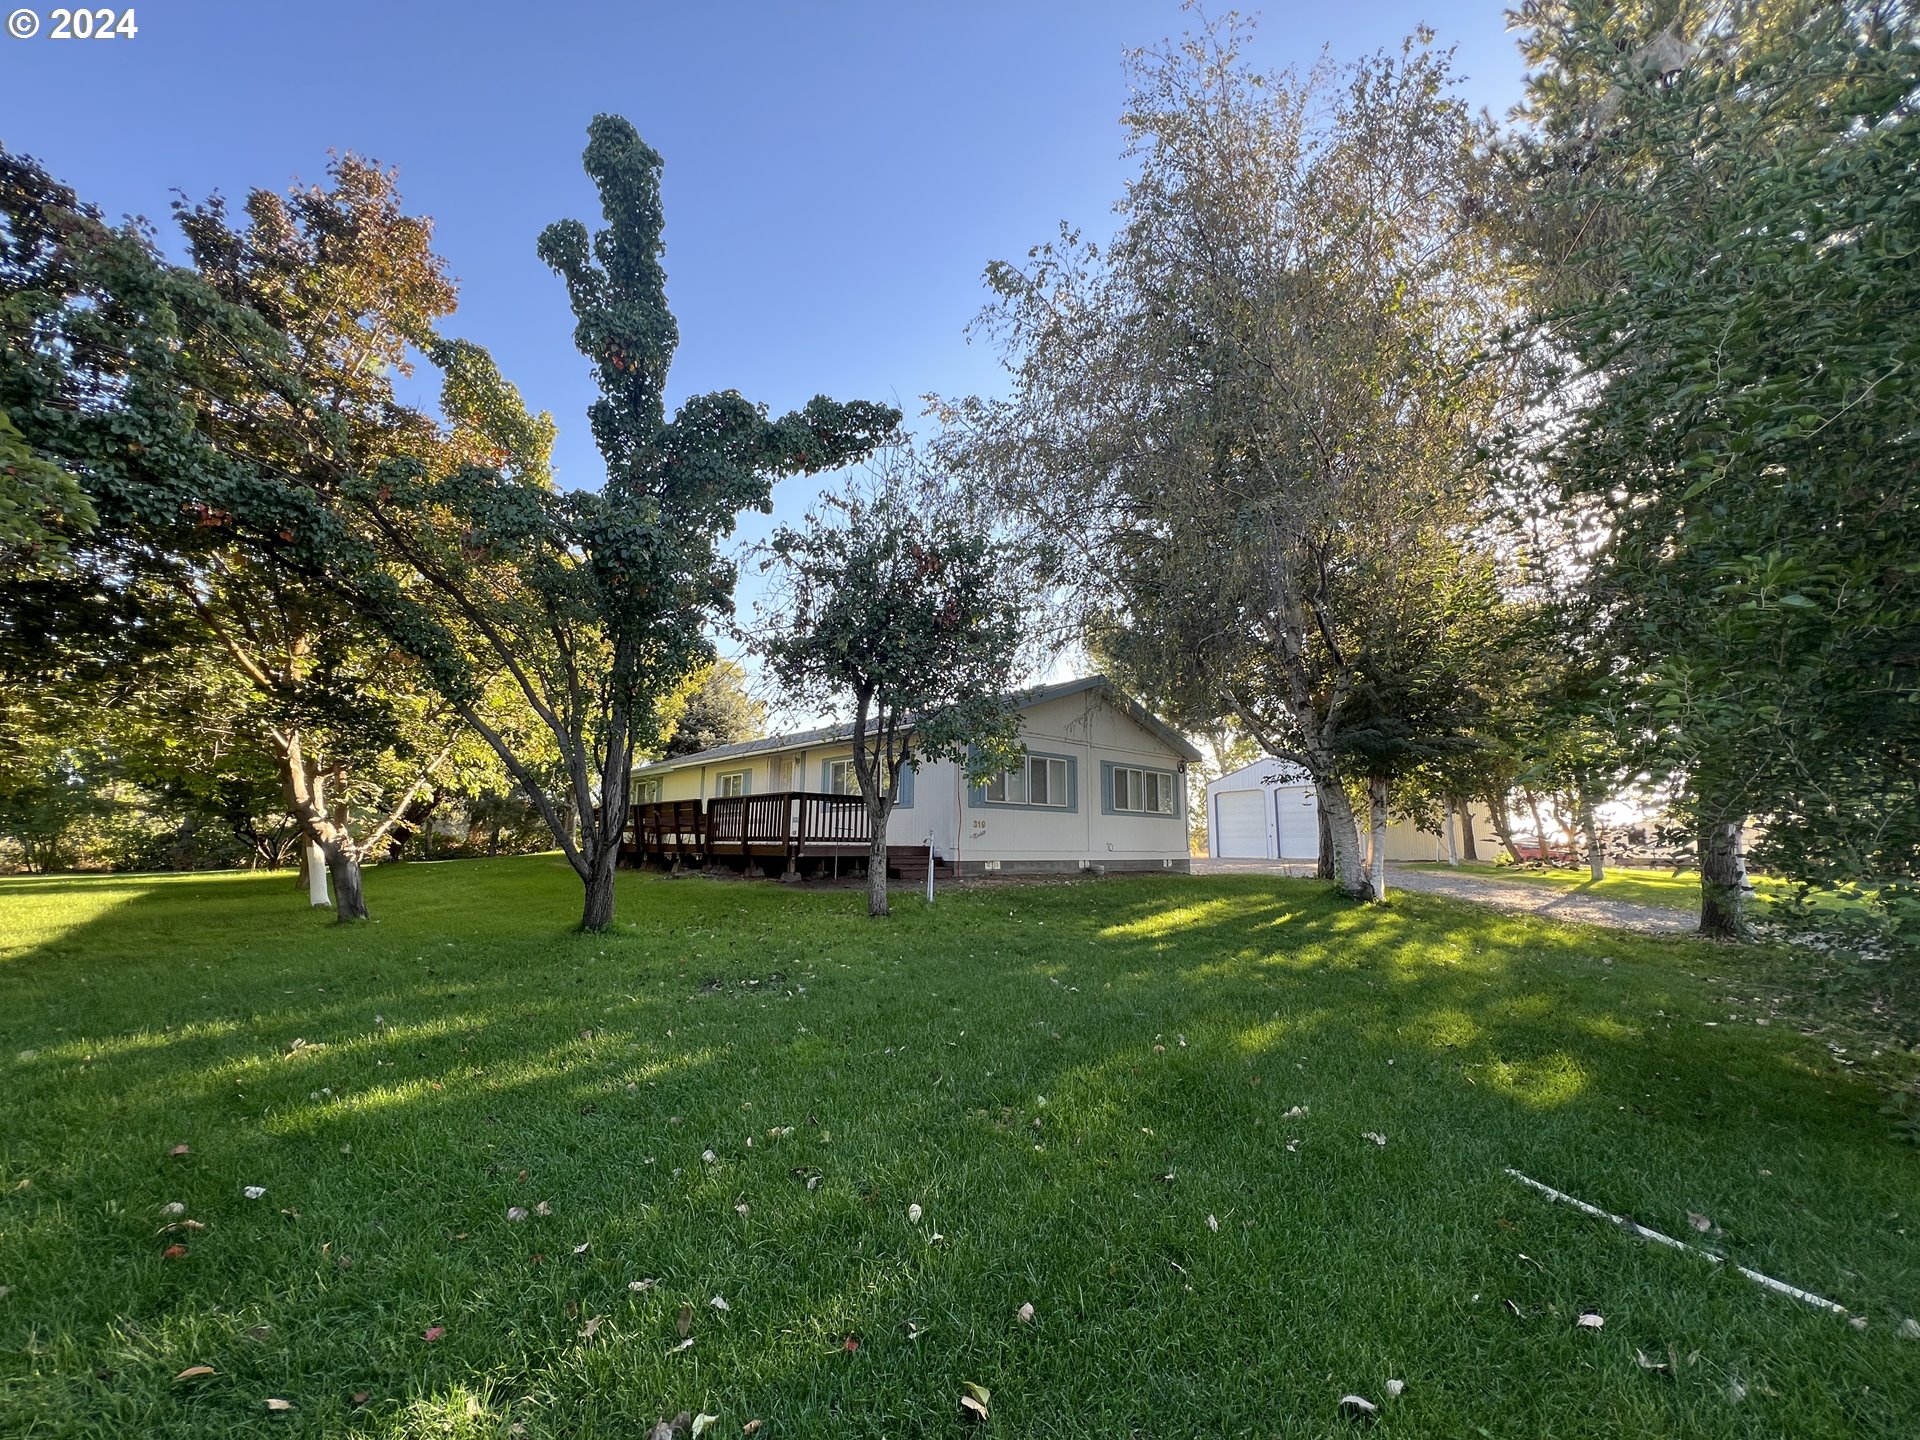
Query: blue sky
[837,175]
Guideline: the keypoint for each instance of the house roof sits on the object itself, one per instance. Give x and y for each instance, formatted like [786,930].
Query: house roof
[1026,700]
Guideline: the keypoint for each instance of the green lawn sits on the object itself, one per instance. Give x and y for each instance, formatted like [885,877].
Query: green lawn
[1086,1087]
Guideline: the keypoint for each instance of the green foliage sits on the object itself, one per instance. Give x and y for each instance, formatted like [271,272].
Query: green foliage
[1741,463]
[900,610]
[713,708]
[1251,421]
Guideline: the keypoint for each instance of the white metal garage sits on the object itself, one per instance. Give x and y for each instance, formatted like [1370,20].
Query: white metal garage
[1239,825]
[1266,811]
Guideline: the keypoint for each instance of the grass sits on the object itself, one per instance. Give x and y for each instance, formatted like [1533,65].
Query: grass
[1078,1083]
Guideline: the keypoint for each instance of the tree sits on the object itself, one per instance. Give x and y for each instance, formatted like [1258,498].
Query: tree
[1727,219]
[593,604]
[899,609]
[204,411]
[1252,419]
[713,709]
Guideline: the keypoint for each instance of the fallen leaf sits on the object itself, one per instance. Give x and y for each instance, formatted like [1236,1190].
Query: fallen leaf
[640,1287]
[592,1327]
[1358,1407]
[253,1192]
[1859,1322]
[973,1400]
[914,1212]
[1025,1313]
[708,1156]
[685,1322]
[741,1209]
[581,1248]
[1375,1136]
[850,1344]
[1395,1388]
[180,1150]
[515,1214]
[752,1427]
[276,1404]
[194,1372]
[1295,1113]
[173,1207]
[1699,1222]
[434,1332]
[360,1397]
[1640,1358]
[1590,1321]
[173,1252]
[1736,1392]
[1213,1224]
[686,1344]
[700,1425]
[717,1303]
[1908,1329]
[543,1208]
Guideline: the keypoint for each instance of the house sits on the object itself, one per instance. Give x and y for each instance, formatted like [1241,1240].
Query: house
[1267,811]
[1102,786]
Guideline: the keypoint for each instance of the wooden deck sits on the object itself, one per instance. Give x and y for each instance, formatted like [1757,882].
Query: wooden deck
[790,833]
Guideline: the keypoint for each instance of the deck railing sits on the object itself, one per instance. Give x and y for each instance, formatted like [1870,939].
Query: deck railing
[786,823]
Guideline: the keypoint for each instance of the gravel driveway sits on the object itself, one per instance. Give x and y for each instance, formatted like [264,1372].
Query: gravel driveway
[1520,895]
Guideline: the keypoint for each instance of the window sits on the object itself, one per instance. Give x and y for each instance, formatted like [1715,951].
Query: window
[1138,791]
[841,779]
[1042,781]
[734,782]
[646,791]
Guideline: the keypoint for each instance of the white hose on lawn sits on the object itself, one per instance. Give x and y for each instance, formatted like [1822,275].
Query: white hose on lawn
[1634,1228]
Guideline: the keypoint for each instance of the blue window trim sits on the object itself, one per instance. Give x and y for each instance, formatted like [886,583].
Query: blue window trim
[1107,767]
[977,794]
[905,802]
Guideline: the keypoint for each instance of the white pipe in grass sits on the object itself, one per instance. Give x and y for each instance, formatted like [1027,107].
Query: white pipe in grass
[1635,1228]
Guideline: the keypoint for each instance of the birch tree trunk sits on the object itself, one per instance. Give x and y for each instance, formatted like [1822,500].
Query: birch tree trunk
[315,866]
[1724,887]
[1453,850]
[1377,794]
[1342,837]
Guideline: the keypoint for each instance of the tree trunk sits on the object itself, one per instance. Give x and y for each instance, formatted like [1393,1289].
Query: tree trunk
[1343,831]
[1539,826]
[1590,826]
[1324,869]
[350,901]
[1469,847]
[315,866]
[1503,824]
[877,858]
[596,911]
[1453,849]
[1724,887]
[1377,794]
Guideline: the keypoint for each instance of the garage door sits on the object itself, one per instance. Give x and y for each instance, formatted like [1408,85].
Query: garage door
[1241,816]
[1299,823]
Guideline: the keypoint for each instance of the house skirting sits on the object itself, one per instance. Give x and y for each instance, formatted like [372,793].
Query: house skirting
[1116,866]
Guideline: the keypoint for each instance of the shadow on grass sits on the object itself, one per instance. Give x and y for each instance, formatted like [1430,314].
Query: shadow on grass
[741,1090]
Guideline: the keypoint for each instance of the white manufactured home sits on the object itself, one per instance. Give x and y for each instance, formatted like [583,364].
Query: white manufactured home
[1268,811]
[1102,786]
